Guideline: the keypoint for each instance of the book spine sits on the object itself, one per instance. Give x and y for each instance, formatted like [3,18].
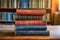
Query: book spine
[31,12]
[0,16]
[30,3]
[14,3]
[31,28]
[19,4]
[30,22]
[8,3]
[10,16]
[19,17]
[0,3]
[7,33]
[32,33]
[49,3]
[24,3]
[7,28]
[5,14]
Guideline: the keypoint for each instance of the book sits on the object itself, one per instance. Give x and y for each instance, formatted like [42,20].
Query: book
[30,3]
[49,3]
[57,18]
[40,3]
[32,33]
[24,3]
[5,15]
[23,17]
[35,4]
[10,16]
[7,33]
[30,22]
[31,28]
[31,12]
[0,3]
[0,15]
[7,28]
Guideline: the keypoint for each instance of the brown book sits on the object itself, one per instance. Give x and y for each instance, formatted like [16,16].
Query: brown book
[57,18]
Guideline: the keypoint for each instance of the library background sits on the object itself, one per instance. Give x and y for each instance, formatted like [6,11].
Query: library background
[29,19]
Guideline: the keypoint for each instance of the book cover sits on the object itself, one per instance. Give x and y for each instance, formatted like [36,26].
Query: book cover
[31,12]
[31,28]
[30,22]
[24,3]
[23,17]
[32,33]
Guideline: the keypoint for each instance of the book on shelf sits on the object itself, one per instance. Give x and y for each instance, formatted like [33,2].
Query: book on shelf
[44,3]
[23,17]
[32,33]
[31,12]
[0,15]
[35,4]
[30,3]
[7,16]
[23,4]
[8,4]
[7,28]
[30,22]
[31,28]
[7,33]
[10,16]
[57,18]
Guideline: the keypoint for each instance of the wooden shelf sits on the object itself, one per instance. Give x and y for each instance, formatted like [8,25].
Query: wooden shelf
[7,21]
[7,9]
[28,38]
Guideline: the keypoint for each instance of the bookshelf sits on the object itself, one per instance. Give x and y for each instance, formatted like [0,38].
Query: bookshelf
[48,11]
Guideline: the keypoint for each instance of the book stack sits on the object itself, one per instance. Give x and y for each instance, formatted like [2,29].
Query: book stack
[30,23]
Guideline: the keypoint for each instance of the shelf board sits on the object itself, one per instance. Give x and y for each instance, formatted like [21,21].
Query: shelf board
[7,9]
[27,37]
[7,21]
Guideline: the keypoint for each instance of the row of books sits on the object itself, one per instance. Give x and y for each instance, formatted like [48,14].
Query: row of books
[7,3]
[34,3]
[7,16]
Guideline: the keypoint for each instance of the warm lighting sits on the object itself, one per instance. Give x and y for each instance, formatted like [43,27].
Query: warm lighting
[59,4]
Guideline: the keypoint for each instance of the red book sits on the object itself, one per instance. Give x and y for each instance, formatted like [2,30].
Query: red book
[30,12]
[30,22]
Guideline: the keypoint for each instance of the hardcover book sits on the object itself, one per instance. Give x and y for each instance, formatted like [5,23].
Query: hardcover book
[32,33]
[31,28]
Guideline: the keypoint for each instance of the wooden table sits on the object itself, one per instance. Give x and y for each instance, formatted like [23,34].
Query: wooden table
[27,38]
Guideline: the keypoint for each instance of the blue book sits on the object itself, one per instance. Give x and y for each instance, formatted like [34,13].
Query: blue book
[32,33]
[10,16]
[0,16]
[24,3]
[21,28]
